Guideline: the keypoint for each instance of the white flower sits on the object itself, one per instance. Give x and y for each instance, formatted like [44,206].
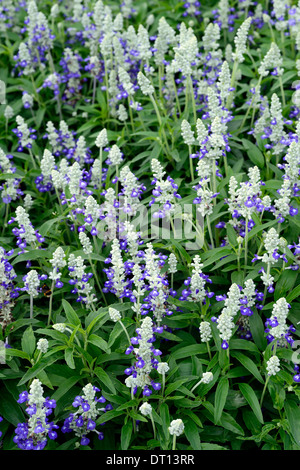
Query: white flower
[172,263]
[8,112]
[125,80]
[28,232]
[197,285]
[118,268]
[271,60]
[58,262]
[58,258]
[277,321]
[47,166]
[23,129]
[102,140]
[162,367]
[86,243]
[32,283]
[61,327]
[240,41]
[187,133]
[205,331]
[225,323]
[146,409]
[207,377]
[28,201]
[145,84]
[27,99]
[176,427]
[42,345]
[115,155]
[273,365]
[114,314]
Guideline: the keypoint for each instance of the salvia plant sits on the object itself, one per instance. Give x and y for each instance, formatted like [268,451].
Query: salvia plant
[149,235]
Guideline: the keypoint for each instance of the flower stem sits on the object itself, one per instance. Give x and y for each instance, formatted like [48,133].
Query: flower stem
[97,280]
[246,242]
[126,332]
[210,232]
[174,442]
[31,306]
[153,426]
[191,163]
[50,302]
[264,391]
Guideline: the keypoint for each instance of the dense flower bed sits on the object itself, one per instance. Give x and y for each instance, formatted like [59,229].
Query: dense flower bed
[149,245]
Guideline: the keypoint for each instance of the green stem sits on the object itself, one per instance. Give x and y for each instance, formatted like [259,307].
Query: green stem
[210,232]
[177,100]
[50,302]
[106,83]
[5,218]
[282,91]
[94,90]
[190,82]
[160,123]
[191,163]
[234,72]
[31,307]
[32,158]
[173,227]
[265,290]
[96,278]
[246,242]
[163,383]
[174,442]
[130,114]
[126,332]
[249,107]
[153,426]
[208,350]
[264,391]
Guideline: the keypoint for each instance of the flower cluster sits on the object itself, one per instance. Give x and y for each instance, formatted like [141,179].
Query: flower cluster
[35,432]
[83,421]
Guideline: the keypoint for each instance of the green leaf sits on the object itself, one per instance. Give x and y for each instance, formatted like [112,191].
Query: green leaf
[16,353]
[105,379]
[46,361]
[99,342]
[293,295]
[292,410]
[236,343]
[67,384]
[192,434]
[258,330]
[71,314]
[126,434]
[9,408]
[175,385]
[208,446]
[28,341]
[220,398]
[252,400]
[69,357]
[254,153]
[231,234]
[248,364]
[108,416]
[45,228]
[32,255]
[285,283]
[188,351]
[165,417]
[228,422]
[96,322]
